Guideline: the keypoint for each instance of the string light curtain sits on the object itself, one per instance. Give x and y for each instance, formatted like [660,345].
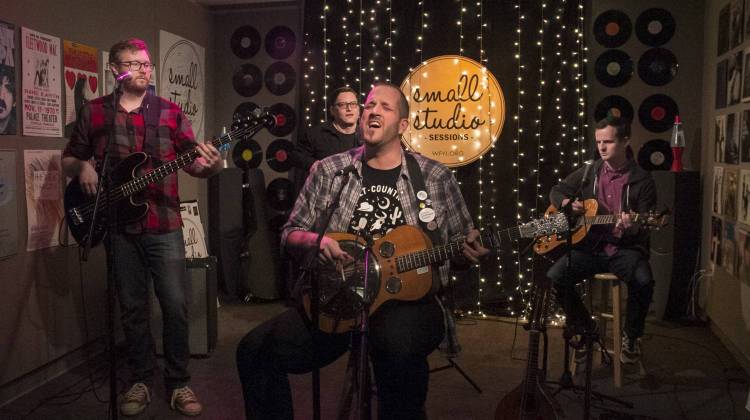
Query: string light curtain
[536,50]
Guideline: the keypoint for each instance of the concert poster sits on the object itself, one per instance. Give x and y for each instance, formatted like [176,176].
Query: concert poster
[42,87]
[716,234]
[729,249]
[182,72]
[732,146]
[729,192]
[743,212]
[81,71]
[717,196]
[8,86]
[44,204]
[8,204]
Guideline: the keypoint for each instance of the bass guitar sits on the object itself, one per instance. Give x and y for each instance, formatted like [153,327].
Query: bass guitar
[399,267]
[127,186]
[583,223]
[531,400]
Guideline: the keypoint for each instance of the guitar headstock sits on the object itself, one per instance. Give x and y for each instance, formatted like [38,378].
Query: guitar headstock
[550,225]
[652,219]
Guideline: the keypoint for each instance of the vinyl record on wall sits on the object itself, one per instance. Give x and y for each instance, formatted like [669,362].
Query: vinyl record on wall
[657,113]
[613,105]
[657,66]
[245,42]
[243,112]
[280,194]
[277,155]
[613,68]
[247,80]
[284,118]
[280,42]
[247,154]
[655,27]
[655,155]
[280,77]
[612,28]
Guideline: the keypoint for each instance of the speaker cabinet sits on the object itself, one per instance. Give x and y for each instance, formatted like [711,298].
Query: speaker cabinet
[202,317]
[226,230]
[675,247]
[262,267]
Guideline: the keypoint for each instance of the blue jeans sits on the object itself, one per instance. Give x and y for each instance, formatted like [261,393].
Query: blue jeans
[630,265]
[137,260]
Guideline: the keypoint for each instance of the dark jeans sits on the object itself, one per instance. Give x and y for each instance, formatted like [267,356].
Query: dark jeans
[139,259]
[630,265]
[402,334]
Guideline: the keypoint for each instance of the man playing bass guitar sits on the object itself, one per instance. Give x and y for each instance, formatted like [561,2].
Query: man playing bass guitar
[378,196]
[620,187]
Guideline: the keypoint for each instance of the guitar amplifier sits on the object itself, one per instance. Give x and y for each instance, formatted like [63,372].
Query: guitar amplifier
[202,318]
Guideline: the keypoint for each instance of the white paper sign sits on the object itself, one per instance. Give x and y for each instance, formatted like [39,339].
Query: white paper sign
[44,204]
[182,77]
[42,87]
[192,230]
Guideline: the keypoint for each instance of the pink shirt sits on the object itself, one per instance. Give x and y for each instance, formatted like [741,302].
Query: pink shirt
[610,187]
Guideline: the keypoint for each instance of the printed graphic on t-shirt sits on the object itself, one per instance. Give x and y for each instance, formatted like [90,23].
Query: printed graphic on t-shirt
[378,211]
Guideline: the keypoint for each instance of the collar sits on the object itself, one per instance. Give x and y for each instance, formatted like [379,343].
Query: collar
[357,155]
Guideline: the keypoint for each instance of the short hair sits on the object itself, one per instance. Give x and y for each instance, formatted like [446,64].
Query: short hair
[132,45]
[621,125]
[7,72]
[335,94]
[403,104]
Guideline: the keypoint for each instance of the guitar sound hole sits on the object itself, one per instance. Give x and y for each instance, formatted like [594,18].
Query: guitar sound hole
[341,294]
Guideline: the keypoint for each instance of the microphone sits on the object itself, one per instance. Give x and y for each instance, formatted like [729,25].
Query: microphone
[123,76]
[346,171]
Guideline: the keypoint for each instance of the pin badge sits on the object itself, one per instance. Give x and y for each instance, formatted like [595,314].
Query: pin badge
[427,215]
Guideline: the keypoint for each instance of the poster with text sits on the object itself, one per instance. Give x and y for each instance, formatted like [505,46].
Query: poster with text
[717,196]
[81,71]
[42,87]
[743,213]
[182,77]
[44,204]
[192,230]
[8,91]
[8,204]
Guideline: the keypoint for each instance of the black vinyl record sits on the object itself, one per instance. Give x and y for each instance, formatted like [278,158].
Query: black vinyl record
[247,154]
[277,155]
[613,68]
[655,27]
[657,66]
[244,112]
[245,42]
[280,77]
[615,106]
[612,28]
[280,194]
[280,42]
[247,80]
[655,155]
[284,119]
[657,113]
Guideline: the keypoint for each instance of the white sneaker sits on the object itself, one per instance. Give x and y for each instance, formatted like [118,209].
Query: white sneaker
[135,400]
[631,349]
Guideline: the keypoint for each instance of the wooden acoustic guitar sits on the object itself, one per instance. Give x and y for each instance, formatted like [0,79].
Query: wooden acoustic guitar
[584,222]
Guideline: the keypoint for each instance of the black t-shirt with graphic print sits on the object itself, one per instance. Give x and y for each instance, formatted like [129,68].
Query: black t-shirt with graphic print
[378,208]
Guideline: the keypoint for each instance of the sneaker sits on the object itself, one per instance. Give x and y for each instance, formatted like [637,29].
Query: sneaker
[185,401]
[135,400]
[631,349]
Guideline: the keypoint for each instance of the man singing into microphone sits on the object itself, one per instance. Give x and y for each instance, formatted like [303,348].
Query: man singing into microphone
[380,191]
[150,249]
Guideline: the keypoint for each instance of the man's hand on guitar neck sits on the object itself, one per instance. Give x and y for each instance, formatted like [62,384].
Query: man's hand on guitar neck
[472,247]
[577,206]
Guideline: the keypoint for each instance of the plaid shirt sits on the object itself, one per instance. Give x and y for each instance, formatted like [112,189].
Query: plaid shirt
[161,143]
[316,198]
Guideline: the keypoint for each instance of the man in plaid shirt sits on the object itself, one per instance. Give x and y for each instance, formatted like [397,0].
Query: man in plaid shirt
[151,248]
[378,195]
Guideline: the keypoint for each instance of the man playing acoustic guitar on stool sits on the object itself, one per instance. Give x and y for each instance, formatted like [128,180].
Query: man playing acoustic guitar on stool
[380,197]
[621,188]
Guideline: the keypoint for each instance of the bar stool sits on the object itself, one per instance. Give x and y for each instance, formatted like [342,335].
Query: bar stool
[615,316]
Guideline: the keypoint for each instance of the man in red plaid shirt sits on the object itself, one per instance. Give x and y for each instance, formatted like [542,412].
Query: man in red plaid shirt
[151,248]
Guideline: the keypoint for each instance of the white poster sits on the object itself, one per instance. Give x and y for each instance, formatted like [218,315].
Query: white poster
[44,198]
[42,112]
[8,204]
[182,77]
[192,230]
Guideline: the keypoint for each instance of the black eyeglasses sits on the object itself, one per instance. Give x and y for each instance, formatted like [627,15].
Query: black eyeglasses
[136,65]
[342,105]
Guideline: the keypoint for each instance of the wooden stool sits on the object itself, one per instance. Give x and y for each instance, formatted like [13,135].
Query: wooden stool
[616,317]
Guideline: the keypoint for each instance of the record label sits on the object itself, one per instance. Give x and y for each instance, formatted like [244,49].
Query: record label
[280,42]
[657,67]
[657,113]
[280,194]
[280,78]
[245,42]
[247,80]
[277,155]
[655,155]
[654,27]
[612,28]
[247,154]
[613,106]
[613,68]
[285,119]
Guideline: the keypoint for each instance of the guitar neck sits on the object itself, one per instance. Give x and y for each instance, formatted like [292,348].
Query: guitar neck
[607,219]
[532,362]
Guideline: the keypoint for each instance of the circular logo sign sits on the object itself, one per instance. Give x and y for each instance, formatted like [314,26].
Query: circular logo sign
[456,109]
